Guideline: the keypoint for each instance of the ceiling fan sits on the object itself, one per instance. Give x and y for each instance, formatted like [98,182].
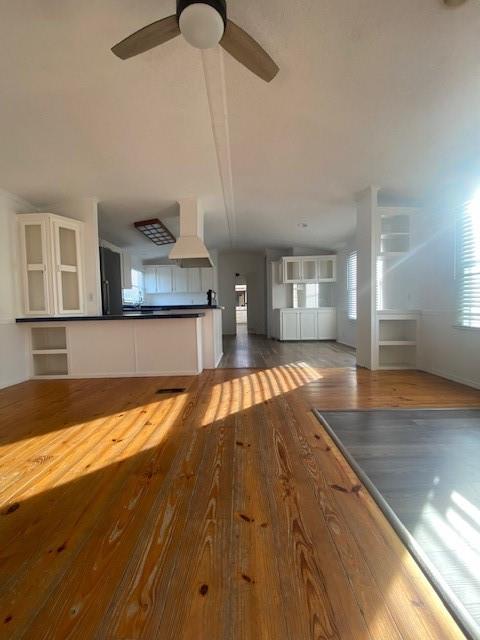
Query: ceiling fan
[203,25]
[454,3]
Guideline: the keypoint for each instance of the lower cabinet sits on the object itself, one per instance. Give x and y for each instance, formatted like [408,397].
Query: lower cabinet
[326,324]
[306,324]
[289,325]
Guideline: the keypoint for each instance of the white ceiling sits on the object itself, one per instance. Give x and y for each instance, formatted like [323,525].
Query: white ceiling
[383,92]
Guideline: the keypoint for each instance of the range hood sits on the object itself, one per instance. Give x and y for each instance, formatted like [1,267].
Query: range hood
[190,250]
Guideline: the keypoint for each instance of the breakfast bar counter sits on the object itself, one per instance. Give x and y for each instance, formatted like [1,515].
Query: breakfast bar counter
[162,343]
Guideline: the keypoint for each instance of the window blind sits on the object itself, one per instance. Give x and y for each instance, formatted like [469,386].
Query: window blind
[352,285]
[467,264]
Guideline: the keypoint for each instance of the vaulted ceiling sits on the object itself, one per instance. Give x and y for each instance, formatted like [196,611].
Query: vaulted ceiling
[383,92]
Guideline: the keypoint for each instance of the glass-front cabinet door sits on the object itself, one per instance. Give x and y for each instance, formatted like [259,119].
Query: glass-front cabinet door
[34,249]
[327,269]
[292,269]
[309,269]
[69,285]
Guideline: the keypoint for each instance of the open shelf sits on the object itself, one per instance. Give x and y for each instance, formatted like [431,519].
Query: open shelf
[49,351]
[396,330]
[397,357]
[50,364]
[48,338]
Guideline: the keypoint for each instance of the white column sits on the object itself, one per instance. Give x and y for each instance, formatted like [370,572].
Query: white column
[367,238]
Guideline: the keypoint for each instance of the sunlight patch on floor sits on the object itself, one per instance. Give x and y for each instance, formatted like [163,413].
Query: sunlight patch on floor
[245,391]
[124,427]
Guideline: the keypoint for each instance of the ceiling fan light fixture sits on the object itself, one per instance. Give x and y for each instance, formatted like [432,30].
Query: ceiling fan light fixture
[201,25]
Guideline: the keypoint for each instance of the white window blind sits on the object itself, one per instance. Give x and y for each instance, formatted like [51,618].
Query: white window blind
[467,264]
[352,285]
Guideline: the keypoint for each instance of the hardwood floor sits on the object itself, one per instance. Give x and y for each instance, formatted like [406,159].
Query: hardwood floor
[223,512]
[244,351]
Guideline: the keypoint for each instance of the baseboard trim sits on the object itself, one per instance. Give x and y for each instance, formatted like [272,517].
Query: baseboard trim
[14,382]
[87,376]
[450,376]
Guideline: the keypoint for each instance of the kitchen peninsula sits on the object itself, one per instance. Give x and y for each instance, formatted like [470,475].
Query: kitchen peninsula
[132,344]
[67,338]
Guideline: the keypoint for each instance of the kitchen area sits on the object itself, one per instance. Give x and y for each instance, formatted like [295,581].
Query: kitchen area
[91,309]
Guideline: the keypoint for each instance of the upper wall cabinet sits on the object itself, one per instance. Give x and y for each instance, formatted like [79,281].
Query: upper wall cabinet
[52,267]
[300,269]
[172,279]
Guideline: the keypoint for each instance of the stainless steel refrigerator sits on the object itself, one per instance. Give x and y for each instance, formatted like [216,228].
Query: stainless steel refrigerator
[111,276]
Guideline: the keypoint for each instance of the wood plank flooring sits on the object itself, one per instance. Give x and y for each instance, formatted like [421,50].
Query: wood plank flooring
[248,350]
[221,513]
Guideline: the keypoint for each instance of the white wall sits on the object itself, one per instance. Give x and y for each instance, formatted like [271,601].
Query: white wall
[346,328]
[445,349]
[251,265]
[85,209]
[13,347]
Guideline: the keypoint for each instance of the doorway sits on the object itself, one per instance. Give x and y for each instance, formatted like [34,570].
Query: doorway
[241,304]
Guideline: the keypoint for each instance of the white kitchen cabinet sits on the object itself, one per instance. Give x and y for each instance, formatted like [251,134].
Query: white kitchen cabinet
[150,280]
[326,268]
[301,269]
[51,249]
[289,325]
[180,280]
[326,324]
[164,279]
[206,277]
[194,283]
[308,325]
[68,292]
[34,249]
[292,269]
[309,269]
[172,279]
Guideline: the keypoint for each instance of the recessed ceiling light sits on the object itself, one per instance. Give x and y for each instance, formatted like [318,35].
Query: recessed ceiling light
[302,225]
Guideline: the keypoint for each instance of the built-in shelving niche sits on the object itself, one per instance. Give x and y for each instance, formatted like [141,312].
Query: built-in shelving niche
[394,234]
[397,343]
[49,351]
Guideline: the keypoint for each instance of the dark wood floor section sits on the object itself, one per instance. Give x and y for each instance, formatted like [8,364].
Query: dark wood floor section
[249,350]
[221,513]
[426,465]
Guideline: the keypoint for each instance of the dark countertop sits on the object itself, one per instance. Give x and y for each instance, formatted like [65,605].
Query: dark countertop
[150,307]
[124,316]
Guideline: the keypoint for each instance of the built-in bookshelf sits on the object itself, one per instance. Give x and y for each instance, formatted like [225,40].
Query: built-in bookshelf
[394,231]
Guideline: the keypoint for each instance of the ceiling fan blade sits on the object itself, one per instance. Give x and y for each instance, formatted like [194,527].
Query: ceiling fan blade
[147,38]
[454,3]
[248,52]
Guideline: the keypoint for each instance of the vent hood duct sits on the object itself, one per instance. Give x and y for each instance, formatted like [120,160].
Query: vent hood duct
[189,250]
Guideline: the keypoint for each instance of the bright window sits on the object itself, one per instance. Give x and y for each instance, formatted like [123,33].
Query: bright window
[352,285]
[467,264]
[135,294]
